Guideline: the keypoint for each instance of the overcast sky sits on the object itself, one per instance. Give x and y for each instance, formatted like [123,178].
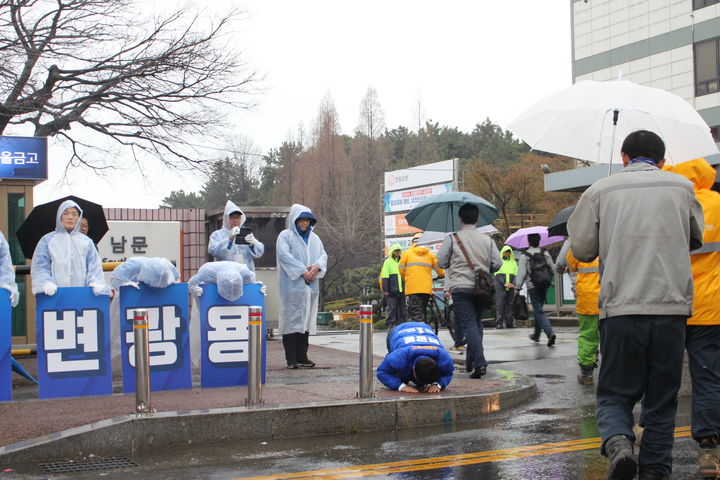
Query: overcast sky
[465,60]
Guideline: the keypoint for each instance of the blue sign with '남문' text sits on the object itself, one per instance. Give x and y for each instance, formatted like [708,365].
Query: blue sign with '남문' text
[23,157]
[73,343]
[5,346]
[168,335]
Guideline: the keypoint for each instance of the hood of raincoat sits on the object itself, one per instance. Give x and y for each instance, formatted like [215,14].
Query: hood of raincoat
[697,171]
[393,247]
[230,284]
[230,207]
[505,249]
[61,209]
[420,250]
[295,212]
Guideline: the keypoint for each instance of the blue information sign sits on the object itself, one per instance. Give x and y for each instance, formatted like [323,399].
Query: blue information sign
[224,336]
[5,346]
[73,343]
[23,157]
[168,332]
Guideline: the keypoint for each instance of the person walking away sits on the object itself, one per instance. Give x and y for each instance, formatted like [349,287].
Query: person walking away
[586,285]
[416,356]
[702,334]
[416,266]
[67,258]
[505,289]
[460,281]
[301,262]
[536,268]
[224,246]
[392,288]
[641,222]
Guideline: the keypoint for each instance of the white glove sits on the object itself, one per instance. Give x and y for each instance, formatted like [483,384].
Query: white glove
[235,231]
[131,284]
[250,239]
[100,289]
[49,289]
[196,291]
[14,297]
[263,288]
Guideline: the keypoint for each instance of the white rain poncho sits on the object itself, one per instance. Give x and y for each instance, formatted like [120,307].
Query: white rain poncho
[229,278]
[7,274]
[153,271]
[67,259]
[298,300]
[222,249]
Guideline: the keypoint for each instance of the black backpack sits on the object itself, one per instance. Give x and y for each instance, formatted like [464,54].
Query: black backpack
[541,274]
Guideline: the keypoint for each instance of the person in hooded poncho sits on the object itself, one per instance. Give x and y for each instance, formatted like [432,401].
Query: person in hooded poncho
[301,261]
[222,244]
[7,274]
[505,288]
[66,257]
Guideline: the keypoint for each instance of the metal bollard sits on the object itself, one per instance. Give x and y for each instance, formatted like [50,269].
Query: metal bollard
[366,351]
[255,332]
[142,361]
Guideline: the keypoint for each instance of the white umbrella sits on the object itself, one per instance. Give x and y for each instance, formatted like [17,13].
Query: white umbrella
[590,120]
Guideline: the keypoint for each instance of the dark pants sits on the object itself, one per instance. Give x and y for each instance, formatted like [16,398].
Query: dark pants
[703,347]
[468,313]
[641,357]
[537,299]
[395,309]
[296,347]
[503,302]
[417,303]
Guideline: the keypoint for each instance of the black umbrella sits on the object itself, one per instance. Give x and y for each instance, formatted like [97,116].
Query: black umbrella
[558,225]
[43,217]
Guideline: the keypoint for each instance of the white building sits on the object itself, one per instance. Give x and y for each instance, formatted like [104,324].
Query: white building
[673,45]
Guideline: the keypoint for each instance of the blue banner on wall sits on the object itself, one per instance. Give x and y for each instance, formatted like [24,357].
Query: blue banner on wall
[5,346]
[73,343]
[224,336]
[23,157]
[168,332]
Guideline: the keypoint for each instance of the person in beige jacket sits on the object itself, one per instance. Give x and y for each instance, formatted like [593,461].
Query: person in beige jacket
[641,222]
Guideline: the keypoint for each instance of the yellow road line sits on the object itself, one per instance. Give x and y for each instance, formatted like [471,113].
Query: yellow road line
[448,461]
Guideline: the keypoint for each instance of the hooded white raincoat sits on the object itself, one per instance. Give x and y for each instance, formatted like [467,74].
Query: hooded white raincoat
[298,300]
[221,248]
[67,259]
[7,274]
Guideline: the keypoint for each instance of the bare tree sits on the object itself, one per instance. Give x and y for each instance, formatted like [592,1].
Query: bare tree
[152,86]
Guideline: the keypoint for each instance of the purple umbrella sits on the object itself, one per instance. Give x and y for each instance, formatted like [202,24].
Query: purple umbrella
[519,238]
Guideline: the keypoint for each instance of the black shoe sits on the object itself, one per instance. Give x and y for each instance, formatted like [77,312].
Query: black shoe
[306,363]
[623,464]
[551,340]
[478,372]
[293,366]
[653,475]
[534,338]
[468,367]
[509,326]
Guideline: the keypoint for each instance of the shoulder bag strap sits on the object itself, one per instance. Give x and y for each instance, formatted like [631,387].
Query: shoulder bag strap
[462,249]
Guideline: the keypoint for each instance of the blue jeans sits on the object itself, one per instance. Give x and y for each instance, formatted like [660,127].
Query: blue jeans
[468,313]
[641,357]
[537,299]
[702,343]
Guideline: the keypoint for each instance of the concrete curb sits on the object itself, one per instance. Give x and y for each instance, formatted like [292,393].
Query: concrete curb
[128,434]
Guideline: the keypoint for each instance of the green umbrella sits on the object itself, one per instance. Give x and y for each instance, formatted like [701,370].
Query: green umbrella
[439,213]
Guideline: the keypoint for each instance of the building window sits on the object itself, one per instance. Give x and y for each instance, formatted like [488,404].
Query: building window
[707,67]
[703,3]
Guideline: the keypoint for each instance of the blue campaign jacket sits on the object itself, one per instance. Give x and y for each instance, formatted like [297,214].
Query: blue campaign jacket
[408,342]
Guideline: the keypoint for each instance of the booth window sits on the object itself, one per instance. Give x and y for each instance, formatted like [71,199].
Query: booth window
[16,216]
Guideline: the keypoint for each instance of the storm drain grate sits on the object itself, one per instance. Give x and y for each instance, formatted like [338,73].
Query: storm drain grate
[91,464]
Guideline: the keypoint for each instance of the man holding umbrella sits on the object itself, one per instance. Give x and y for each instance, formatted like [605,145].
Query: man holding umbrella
[641,222]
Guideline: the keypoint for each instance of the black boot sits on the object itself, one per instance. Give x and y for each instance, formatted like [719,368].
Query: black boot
[290,346]
[623,464]
[303,345]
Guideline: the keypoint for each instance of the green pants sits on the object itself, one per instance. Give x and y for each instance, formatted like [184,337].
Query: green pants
[588,339]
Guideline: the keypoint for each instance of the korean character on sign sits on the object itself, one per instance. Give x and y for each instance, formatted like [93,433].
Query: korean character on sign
[19,158]
[32,158]
[71,341]
[6,158]
[139,244]
[163,338]
[228,334]
[119,246]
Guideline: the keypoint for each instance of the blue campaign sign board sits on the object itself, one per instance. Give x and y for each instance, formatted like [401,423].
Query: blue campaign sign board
[23,157]
[73,343]
[224,336]
[5,346]
[168,331]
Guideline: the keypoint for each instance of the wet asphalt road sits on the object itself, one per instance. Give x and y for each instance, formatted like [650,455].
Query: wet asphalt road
[501,446]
